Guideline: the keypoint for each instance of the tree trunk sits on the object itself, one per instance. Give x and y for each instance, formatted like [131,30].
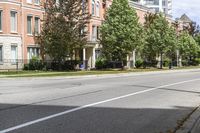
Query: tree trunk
[128,62]
[122,65]
[180,61]
[177,58]
[60,65]
[134,58]
[161,60]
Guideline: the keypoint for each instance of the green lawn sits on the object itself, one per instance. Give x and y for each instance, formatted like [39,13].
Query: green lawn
[67,73]
[76,73]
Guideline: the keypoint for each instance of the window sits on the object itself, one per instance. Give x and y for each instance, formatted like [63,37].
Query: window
[13,19]
[1,20]
[94,33]
[29,1]
[57,2]
[13,54]
[29,25]
[164,3]
[37,2]
[36,29]
[98,9]
[1,54]
[33,52]
[97,53]
[93,8]
[98,35]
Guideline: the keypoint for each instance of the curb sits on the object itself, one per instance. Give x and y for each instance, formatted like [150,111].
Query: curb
[107,75]
[192,124]
[196,125]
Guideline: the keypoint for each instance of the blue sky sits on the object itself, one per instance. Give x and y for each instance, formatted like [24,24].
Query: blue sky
[190,7]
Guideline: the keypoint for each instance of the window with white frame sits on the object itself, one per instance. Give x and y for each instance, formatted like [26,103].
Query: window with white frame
[37,2]
[93,7]
[98,8]
[1,53]
[29,1]
[94,33]
[13,54]
[33,52]
[1,20]
[13,21]
[29,25]
[37,25]
[97,53]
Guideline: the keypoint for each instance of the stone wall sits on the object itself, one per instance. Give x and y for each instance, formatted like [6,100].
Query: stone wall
[6,42]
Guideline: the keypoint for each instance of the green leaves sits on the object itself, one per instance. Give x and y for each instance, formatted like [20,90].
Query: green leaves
[187,45]
[161,37]
[63,28]
[120,31]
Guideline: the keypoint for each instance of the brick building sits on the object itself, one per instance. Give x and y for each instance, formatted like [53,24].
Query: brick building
[19,20]
[98,8]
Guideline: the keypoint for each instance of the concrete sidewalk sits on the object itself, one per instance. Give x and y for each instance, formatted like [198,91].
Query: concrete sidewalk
[196,125]
[192,125]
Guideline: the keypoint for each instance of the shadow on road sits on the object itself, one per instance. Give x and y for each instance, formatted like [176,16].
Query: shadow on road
[92,119]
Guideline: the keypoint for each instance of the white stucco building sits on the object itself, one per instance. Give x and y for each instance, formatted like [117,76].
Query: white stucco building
[158,5]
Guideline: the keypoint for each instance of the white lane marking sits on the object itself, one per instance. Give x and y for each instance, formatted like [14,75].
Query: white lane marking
[89,105]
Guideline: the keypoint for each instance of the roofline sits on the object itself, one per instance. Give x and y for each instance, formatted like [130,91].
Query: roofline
[140,6]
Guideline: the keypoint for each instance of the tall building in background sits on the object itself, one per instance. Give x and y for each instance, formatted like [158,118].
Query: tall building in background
[158,5]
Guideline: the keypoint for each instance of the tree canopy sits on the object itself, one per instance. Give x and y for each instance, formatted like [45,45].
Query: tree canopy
[63,29]
[120,32]
[187,45]
[161,37]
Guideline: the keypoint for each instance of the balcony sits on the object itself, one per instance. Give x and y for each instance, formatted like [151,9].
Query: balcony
[93,39]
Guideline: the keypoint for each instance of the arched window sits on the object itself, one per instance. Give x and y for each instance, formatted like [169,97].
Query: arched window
[93,7]
[98,9]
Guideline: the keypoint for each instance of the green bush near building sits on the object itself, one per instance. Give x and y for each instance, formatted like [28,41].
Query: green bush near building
[34,64]
[139,63]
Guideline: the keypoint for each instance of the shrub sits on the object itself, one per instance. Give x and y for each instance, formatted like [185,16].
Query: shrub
[139,63]
[26,67]
[34,64]
[152,63]
[166,63]
[197,60]
[101,63]
[194,62]
[64,65]
[185,63]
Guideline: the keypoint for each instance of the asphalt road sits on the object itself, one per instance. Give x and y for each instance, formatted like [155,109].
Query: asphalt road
[148,103]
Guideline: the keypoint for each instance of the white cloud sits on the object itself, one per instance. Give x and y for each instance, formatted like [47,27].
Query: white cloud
[190,7]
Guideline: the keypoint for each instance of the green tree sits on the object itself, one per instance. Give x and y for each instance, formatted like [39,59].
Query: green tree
[161,37]
[197,39]
[148,51]
[63,29]
[172,43]
[188,47]
[121,32]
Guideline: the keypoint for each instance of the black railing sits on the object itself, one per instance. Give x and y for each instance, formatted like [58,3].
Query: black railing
[54,65]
